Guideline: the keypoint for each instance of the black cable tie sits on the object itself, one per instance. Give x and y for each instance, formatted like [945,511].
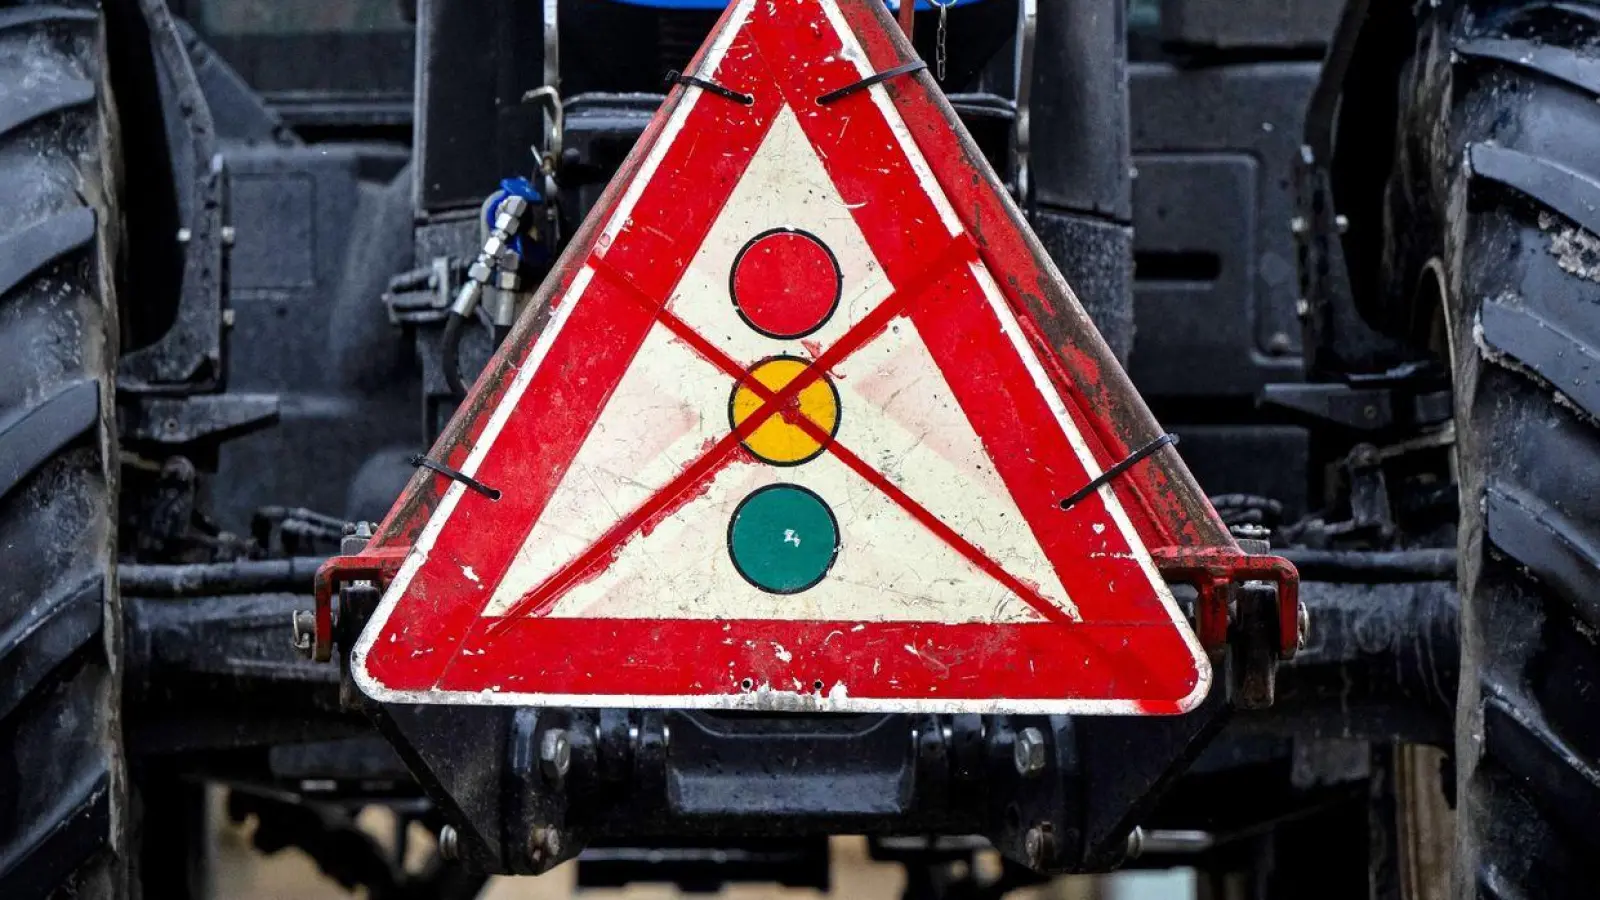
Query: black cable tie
[869,81]
[1105,477]
[676,77]
[420,461]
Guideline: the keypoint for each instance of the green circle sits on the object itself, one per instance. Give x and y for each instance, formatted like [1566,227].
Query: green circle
[783,539]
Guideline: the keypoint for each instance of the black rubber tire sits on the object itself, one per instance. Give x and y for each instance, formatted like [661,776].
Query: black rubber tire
[1496,195]
[62,779]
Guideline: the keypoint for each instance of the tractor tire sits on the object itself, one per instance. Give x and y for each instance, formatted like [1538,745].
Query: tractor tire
[1492,216]
[62,778]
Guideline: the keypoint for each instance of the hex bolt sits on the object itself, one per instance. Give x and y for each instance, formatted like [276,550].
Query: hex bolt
[1028,753]
[544,846]
[449,843]
[555,754]
[355,540]
[1135,843]
[1039,845]
[305,631]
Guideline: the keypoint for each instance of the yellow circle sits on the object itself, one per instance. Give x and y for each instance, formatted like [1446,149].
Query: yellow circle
[782,438]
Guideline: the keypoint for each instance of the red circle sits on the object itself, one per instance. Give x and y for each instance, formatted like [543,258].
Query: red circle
[786,284]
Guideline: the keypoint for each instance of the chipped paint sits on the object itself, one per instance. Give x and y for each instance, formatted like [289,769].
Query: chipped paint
[953,444]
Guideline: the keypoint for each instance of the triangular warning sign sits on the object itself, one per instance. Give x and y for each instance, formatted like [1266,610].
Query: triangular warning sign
[787,439]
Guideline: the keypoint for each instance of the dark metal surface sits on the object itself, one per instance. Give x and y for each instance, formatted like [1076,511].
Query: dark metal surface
[1338,234]
[477,60]
[320,229]
[1276,25]
[1381,567]
[203,579]
[1082,183]
[188,357]
[1080,110]
[705,866]
[1362,408]
[1215,294]
[174,420]
[1379,664]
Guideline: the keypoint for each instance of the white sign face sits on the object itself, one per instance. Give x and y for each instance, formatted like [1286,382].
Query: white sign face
[785,441]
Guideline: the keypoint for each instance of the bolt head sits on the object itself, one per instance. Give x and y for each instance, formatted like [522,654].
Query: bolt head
[355,539]
[555,754]
[1028,753]
[1303,627]
[449,843]
[305,631]
[544,846]
[1038,844]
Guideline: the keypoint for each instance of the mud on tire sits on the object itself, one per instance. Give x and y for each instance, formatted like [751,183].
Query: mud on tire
[61,777]
[1496,194]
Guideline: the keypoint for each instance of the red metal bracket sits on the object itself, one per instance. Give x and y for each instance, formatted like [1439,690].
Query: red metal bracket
[1211,570]
[377,564]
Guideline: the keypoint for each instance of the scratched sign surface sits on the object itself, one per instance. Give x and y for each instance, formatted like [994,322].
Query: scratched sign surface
[783,443]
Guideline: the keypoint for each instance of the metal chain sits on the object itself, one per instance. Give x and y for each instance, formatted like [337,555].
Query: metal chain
[941,53]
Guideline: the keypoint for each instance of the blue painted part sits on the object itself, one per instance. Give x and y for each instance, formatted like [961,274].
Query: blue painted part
[720,4]
[523,188]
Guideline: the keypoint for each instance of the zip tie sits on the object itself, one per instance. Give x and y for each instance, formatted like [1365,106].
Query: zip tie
[420,461]
[676,77]
[869,81]
[1133,458]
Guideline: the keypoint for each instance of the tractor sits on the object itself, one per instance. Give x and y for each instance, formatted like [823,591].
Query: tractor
[1348,250]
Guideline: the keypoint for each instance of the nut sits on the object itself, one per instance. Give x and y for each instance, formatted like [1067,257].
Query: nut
[1135,843]
[508,281]
[555,754]
[1028,753]
[1302,627]
[1039,845]
[544,846]
[514,205]
[356,538]
[449,843]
